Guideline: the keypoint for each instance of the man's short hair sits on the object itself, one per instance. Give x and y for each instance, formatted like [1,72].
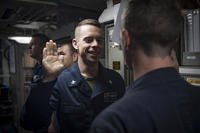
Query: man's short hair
[154,23]
[69,43]
[42,38]
[92,22]
[89,22]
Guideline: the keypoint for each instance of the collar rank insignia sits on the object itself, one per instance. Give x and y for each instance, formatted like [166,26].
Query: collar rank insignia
[73,82]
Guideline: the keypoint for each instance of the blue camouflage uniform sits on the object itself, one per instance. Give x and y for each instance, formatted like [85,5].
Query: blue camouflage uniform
[77,104]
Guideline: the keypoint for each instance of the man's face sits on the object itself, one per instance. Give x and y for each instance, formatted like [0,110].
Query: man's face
[89,42]
[35,48]
[66,55]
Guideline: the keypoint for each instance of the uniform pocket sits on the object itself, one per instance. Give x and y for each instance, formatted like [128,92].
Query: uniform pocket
[73,109]
[73,117]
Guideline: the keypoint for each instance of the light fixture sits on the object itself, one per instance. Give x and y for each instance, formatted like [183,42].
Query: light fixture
[40,2]
[21,39]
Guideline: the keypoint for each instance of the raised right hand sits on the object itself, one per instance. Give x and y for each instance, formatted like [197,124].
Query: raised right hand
[52,64]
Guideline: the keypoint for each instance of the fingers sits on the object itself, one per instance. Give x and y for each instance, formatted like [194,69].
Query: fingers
[59,50]
[51,48]
[44,52]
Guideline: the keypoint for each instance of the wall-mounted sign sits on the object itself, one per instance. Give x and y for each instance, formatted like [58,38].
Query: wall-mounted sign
[116,65]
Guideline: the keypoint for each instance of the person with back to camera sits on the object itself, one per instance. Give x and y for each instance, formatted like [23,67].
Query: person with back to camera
[159,100]
[85,89]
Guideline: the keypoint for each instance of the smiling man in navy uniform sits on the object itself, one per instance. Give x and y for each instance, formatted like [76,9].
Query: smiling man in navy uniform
[85,89]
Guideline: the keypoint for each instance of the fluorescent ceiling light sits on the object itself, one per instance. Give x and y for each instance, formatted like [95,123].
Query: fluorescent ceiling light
[40,2]
[20,39]
[32,25]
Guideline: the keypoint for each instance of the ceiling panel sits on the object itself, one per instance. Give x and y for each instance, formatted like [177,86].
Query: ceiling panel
[26,16]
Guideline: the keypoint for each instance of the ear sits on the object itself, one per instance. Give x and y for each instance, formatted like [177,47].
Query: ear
[74,43]
[126,39]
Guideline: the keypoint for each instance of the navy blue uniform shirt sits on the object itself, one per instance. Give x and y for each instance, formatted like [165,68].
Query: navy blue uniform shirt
[36,113]
[77,104]
[158,102]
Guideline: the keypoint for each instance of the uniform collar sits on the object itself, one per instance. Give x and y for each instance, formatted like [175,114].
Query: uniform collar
[158,76]
[76,76]
[101,81]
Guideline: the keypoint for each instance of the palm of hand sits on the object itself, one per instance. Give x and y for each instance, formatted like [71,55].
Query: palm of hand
[52,64]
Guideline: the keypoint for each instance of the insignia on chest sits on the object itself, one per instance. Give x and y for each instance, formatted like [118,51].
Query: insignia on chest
[36,78]
[110,96]
[73,82]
